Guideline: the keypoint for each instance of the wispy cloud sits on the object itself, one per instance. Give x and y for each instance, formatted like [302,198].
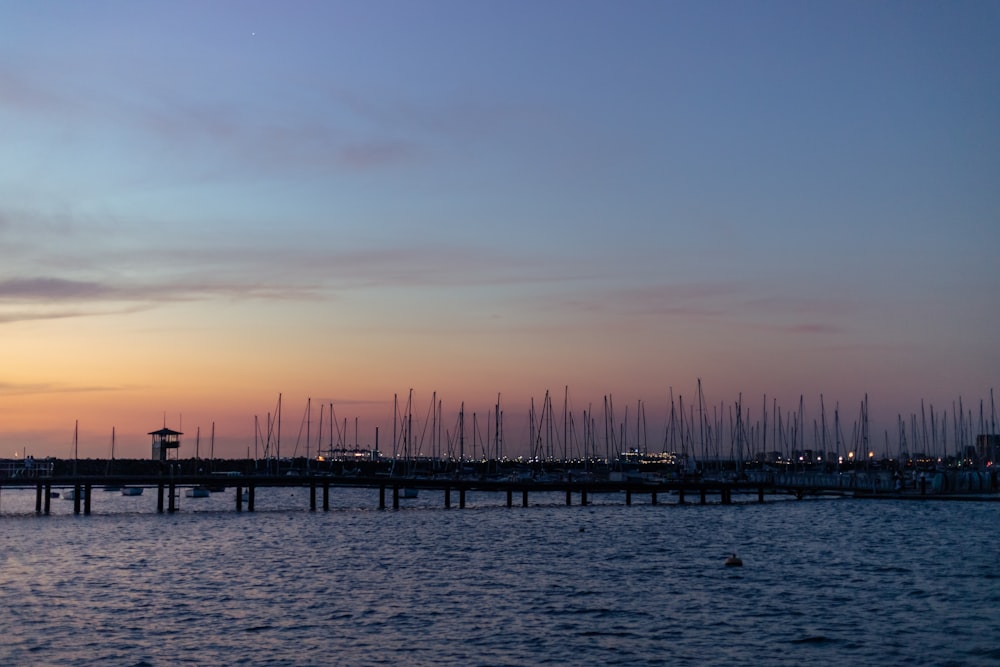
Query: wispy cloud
[377,153]
[32,388]
[139,281]
[47,290]
[734,305]
[24,95]
[231,138]
[461,119]
[51,289]
[811,328]
[227,138]
[701,300]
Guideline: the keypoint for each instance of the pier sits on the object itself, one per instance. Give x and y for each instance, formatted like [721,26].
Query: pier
[753,486]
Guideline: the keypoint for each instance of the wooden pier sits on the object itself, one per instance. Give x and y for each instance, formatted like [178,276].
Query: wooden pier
[757,488]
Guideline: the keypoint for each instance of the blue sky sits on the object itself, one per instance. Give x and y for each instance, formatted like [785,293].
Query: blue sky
[358,198]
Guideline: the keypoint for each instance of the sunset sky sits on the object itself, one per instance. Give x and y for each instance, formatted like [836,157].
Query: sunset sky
[204,205]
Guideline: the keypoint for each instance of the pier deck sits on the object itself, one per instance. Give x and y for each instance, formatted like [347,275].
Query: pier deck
[680,491]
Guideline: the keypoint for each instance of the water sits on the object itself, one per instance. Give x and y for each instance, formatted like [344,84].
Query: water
[824,582]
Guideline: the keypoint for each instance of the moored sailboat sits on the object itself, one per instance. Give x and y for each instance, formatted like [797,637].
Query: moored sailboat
[111,462]
[70,494]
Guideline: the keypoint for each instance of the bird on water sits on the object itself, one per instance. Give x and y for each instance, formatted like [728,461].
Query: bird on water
[734,561]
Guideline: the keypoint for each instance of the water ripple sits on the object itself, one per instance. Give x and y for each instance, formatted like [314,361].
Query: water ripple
[488,585]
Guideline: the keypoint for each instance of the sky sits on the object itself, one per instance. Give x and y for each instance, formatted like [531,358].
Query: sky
[206,206]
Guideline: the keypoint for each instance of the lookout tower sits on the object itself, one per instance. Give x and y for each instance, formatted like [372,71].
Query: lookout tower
[164,440]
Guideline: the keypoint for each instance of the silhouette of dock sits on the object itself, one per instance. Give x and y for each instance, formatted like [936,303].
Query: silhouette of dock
[754,486]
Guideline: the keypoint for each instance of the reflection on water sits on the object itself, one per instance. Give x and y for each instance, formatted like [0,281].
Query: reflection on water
[823,582]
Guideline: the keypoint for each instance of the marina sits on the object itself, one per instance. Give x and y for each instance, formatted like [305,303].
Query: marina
[766,460]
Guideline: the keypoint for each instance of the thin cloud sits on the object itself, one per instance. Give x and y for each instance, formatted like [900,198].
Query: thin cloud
[377,154]
[252,273]
[41,312]
[811,328]
[701,300]
[715,304]
[51,289]
[32,388]
[462,119]
[227,138]
[24,95]
[47,290]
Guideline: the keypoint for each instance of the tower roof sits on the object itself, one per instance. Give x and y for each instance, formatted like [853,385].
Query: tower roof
[165,431]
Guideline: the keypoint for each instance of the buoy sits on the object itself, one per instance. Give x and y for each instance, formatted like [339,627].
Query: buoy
[733,561]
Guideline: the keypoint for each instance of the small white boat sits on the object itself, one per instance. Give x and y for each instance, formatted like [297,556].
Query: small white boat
[70,494]
[131,490]
[198,492]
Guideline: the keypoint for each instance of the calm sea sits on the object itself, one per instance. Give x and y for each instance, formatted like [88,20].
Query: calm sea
[835,581]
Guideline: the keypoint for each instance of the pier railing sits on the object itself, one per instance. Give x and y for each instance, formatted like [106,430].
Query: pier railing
[828,481]
[26,468]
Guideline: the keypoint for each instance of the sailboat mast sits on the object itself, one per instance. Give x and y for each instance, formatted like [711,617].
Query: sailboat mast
[565,422]
[112,461]
[319,435]
[822,416]
[496,430]
[701,422]
[461,434]
[607,444]
[435,444]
